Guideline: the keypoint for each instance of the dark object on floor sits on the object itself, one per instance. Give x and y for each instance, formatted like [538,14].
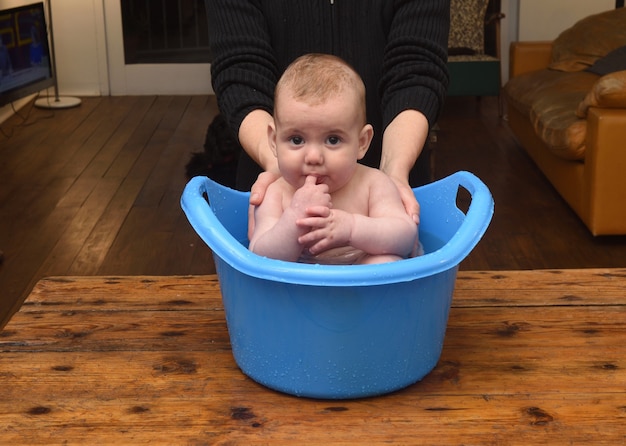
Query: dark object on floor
[1,257]
[219,159]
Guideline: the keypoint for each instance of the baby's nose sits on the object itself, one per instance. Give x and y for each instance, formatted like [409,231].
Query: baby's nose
[314,155]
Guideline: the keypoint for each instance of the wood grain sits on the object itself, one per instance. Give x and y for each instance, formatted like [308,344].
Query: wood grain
[530,357]
[95,190]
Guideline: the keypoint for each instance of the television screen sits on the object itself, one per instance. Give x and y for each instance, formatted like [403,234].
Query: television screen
[25,65]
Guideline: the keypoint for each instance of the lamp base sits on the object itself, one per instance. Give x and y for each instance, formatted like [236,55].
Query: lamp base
[57,102]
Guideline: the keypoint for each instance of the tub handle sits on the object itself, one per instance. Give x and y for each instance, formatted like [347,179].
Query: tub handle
[474,222]
[209,218]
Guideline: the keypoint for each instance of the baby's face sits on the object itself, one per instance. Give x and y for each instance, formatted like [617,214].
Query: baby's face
[322,139]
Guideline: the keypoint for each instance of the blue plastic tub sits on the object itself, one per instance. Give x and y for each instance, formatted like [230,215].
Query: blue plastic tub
[338,332]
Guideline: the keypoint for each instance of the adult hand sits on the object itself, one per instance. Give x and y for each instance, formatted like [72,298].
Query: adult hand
[257,193]
[412,208]
[409,201]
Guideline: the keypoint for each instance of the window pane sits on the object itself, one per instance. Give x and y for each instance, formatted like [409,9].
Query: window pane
[165,31]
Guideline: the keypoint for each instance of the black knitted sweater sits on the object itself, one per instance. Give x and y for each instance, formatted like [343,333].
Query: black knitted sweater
[399,47]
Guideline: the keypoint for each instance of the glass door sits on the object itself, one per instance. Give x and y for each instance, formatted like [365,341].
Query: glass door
[157,47]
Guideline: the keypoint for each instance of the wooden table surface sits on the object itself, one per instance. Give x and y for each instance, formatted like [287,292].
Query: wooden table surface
[530,357]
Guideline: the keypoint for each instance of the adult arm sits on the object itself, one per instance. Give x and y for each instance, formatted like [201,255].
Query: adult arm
[253,134]
[243,73]
[403,141]
[413,87]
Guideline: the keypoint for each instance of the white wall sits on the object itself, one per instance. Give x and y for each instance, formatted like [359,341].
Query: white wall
[80,49]
[546,19]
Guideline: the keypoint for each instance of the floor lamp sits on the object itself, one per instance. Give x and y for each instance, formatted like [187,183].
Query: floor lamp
[55,101]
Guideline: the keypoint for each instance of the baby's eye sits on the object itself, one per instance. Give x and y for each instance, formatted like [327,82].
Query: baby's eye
[296,140]
[333,140]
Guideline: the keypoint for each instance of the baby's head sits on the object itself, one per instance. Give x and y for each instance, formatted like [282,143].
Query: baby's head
[318,78]
[319,123]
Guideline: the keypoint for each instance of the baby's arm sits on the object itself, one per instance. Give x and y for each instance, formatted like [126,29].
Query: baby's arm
[386,230]
[385,234]
[276,232]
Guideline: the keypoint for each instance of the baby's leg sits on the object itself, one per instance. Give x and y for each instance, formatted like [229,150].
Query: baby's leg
[381,258]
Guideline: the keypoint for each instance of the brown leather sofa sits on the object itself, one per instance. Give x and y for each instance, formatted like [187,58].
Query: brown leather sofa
[572,121]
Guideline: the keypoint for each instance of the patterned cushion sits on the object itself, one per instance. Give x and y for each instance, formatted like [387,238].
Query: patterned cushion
[467,26]
[472,58]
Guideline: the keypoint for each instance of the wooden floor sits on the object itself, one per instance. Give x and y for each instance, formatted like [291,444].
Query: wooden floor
[94,190]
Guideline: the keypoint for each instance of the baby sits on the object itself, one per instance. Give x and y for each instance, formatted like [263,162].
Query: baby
[326,207]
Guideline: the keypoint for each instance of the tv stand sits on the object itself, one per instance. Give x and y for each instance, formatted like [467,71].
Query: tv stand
[57,102]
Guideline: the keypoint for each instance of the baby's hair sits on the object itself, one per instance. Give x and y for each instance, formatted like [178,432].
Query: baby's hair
[315,78]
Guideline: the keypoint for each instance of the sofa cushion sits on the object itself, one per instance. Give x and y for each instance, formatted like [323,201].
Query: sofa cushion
[467,27]
[614,61]
[550,99]
[607,92]
[588,40]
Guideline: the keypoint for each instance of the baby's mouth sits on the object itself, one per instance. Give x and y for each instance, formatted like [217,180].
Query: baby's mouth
[319,179]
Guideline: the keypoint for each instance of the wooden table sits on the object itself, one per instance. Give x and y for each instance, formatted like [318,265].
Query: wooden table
[530,357]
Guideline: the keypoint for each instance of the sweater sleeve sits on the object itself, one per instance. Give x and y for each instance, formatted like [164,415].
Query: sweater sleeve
[243,67]
[415,74]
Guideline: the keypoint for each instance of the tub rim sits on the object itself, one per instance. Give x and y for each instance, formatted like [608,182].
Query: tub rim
[225,246]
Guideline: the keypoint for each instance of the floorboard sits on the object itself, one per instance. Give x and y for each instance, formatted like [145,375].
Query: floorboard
[95,190]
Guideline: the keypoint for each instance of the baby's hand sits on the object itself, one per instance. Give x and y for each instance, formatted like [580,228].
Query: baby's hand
[311,198]
[328,231]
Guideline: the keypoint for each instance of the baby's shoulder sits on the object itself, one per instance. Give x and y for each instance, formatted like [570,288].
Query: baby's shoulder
[373,177]
[279,190]
[279,186]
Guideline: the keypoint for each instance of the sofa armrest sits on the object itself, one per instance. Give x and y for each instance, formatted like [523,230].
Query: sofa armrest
[605,164]
[607,92]
[529,56]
